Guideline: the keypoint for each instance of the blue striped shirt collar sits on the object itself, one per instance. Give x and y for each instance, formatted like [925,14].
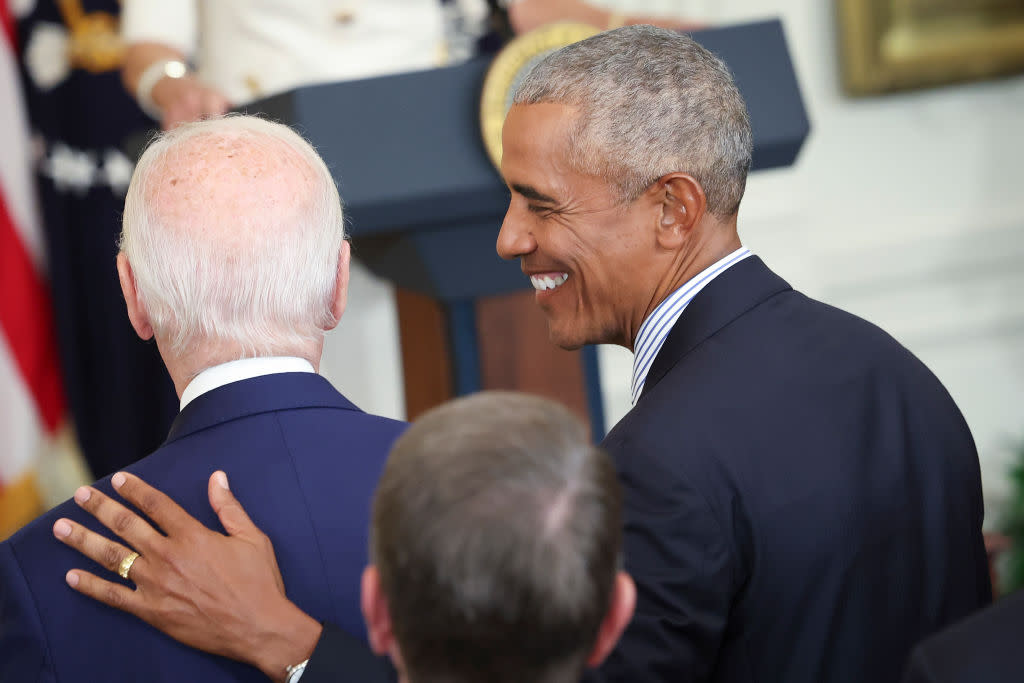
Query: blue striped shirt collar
[654,330]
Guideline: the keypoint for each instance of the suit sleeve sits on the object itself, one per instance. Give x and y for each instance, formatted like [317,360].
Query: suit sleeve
[340,658]
[23,655]
[684,561]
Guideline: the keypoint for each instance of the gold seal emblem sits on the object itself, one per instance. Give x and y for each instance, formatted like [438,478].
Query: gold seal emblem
[510,67]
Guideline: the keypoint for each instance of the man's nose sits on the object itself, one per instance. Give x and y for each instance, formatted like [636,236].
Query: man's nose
[513,240]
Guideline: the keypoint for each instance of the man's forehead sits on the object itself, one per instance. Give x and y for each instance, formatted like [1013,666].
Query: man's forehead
[534,123]
[535,140]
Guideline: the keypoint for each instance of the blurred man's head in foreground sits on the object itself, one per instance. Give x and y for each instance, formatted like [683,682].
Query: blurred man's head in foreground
[495,541]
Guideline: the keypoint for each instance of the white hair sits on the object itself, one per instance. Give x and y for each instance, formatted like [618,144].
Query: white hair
[261,275]
[652,102]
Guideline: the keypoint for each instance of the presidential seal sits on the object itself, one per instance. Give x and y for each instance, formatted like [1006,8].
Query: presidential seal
[508,69]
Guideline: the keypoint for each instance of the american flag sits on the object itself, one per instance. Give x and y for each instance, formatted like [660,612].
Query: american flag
[31,395]
[119,395]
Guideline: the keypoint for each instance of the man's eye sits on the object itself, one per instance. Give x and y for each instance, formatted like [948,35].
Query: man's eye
[540,210]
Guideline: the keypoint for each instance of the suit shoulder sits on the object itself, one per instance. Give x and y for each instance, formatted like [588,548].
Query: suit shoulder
[355,425]
[840,320]
[28,536]
[792,335]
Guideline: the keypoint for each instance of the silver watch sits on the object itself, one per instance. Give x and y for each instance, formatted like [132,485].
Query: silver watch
[161,68]
[295,671]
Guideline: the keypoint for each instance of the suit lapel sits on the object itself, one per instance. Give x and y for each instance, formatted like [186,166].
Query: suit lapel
[727,297]
[282,391]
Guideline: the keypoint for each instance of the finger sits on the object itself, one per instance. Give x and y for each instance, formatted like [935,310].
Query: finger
[107,592]
[157,505]
[119,519]
[106,553]
[233,516]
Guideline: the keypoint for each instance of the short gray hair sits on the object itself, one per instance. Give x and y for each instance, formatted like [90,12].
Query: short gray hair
[268,288]
[497,532]
[652,102]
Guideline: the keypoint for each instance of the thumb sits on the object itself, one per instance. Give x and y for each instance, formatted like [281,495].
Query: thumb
[231,513]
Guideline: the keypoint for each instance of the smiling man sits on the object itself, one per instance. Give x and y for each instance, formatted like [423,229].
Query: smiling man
[802,496]
[598,277]
[803,499]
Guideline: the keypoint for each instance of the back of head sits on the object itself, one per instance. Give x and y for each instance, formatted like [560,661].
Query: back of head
[497,532]
[233,228]
[652,102]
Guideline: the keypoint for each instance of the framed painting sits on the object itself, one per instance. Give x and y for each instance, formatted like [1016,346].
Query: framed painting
[889,45]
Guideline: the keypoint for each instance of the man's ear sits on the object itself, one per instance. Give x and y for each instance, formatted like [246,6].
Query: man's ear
[340,298]
[683,204]
[375,613]
[137,313]
[620,612]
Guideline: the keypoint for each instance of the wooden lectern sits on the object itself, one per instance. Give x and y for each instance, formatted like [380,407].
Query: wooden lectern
[425,206]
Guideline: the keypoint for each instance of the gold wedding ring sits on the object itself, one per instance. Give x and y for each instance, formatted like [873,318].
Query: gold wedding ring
[126,564]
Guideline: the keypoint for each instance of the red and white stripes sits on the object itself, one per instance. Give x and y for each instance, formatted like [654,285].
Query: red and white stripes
[31,395]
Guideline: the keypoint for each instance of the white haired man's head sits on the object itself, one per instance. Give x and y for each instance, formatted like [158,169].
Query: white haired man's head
[233,238]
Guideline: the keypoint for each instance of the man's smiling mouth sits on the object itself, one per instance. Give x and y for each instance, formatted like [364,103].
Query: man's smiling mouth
[545,281]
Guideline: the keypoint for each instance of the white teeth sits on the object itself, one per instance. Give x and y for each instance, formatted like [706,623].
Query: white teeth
[543,282]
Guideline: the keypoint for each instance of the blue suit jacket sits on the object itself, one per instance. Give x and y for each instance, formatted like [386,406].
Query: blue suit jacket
[803,497]
[303,461]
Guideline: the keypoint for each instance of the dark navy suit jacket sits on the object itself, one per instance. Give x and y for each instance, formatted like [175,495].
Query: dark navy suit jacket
[303,461]
[984,648]
[803,497]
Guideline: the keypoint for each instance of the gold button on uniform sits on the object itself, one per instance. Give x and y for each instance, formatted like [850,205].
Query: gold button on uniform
[344,17]
[253,84]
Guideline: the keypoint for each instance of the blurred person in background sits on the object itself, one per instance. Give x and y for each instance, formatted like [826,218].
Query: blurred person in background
[243,51]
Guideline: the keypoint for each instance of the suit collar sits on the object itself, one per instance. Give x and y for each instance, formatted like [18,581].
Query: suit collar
[263,394]
[727,297]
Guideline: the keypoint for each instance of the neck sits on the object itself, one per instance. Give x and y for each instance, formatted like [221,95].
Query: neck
[709,243]
[184,367]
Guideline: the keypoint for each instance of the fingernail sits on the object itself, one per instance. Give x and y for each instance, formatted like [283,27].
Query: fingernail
[72,578]
[117,480]
[221,479]
[82,494]
[61,528]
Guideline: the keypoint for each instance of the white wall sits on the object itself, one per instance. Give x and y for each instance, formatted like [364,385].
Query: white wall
[362,356]
[905,209]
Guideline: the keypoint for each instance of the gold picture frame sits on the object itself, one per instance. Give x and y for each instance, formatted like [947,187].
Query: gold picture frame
[889,45]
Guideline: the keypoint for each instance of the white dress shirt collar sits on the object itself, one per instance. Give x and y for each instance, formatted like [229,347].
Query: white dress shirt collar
[237,370]
[659,323]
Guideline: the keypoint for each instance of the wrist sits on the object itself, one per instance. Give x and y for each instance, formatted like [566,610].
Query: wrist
[153,74]
[291,640]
